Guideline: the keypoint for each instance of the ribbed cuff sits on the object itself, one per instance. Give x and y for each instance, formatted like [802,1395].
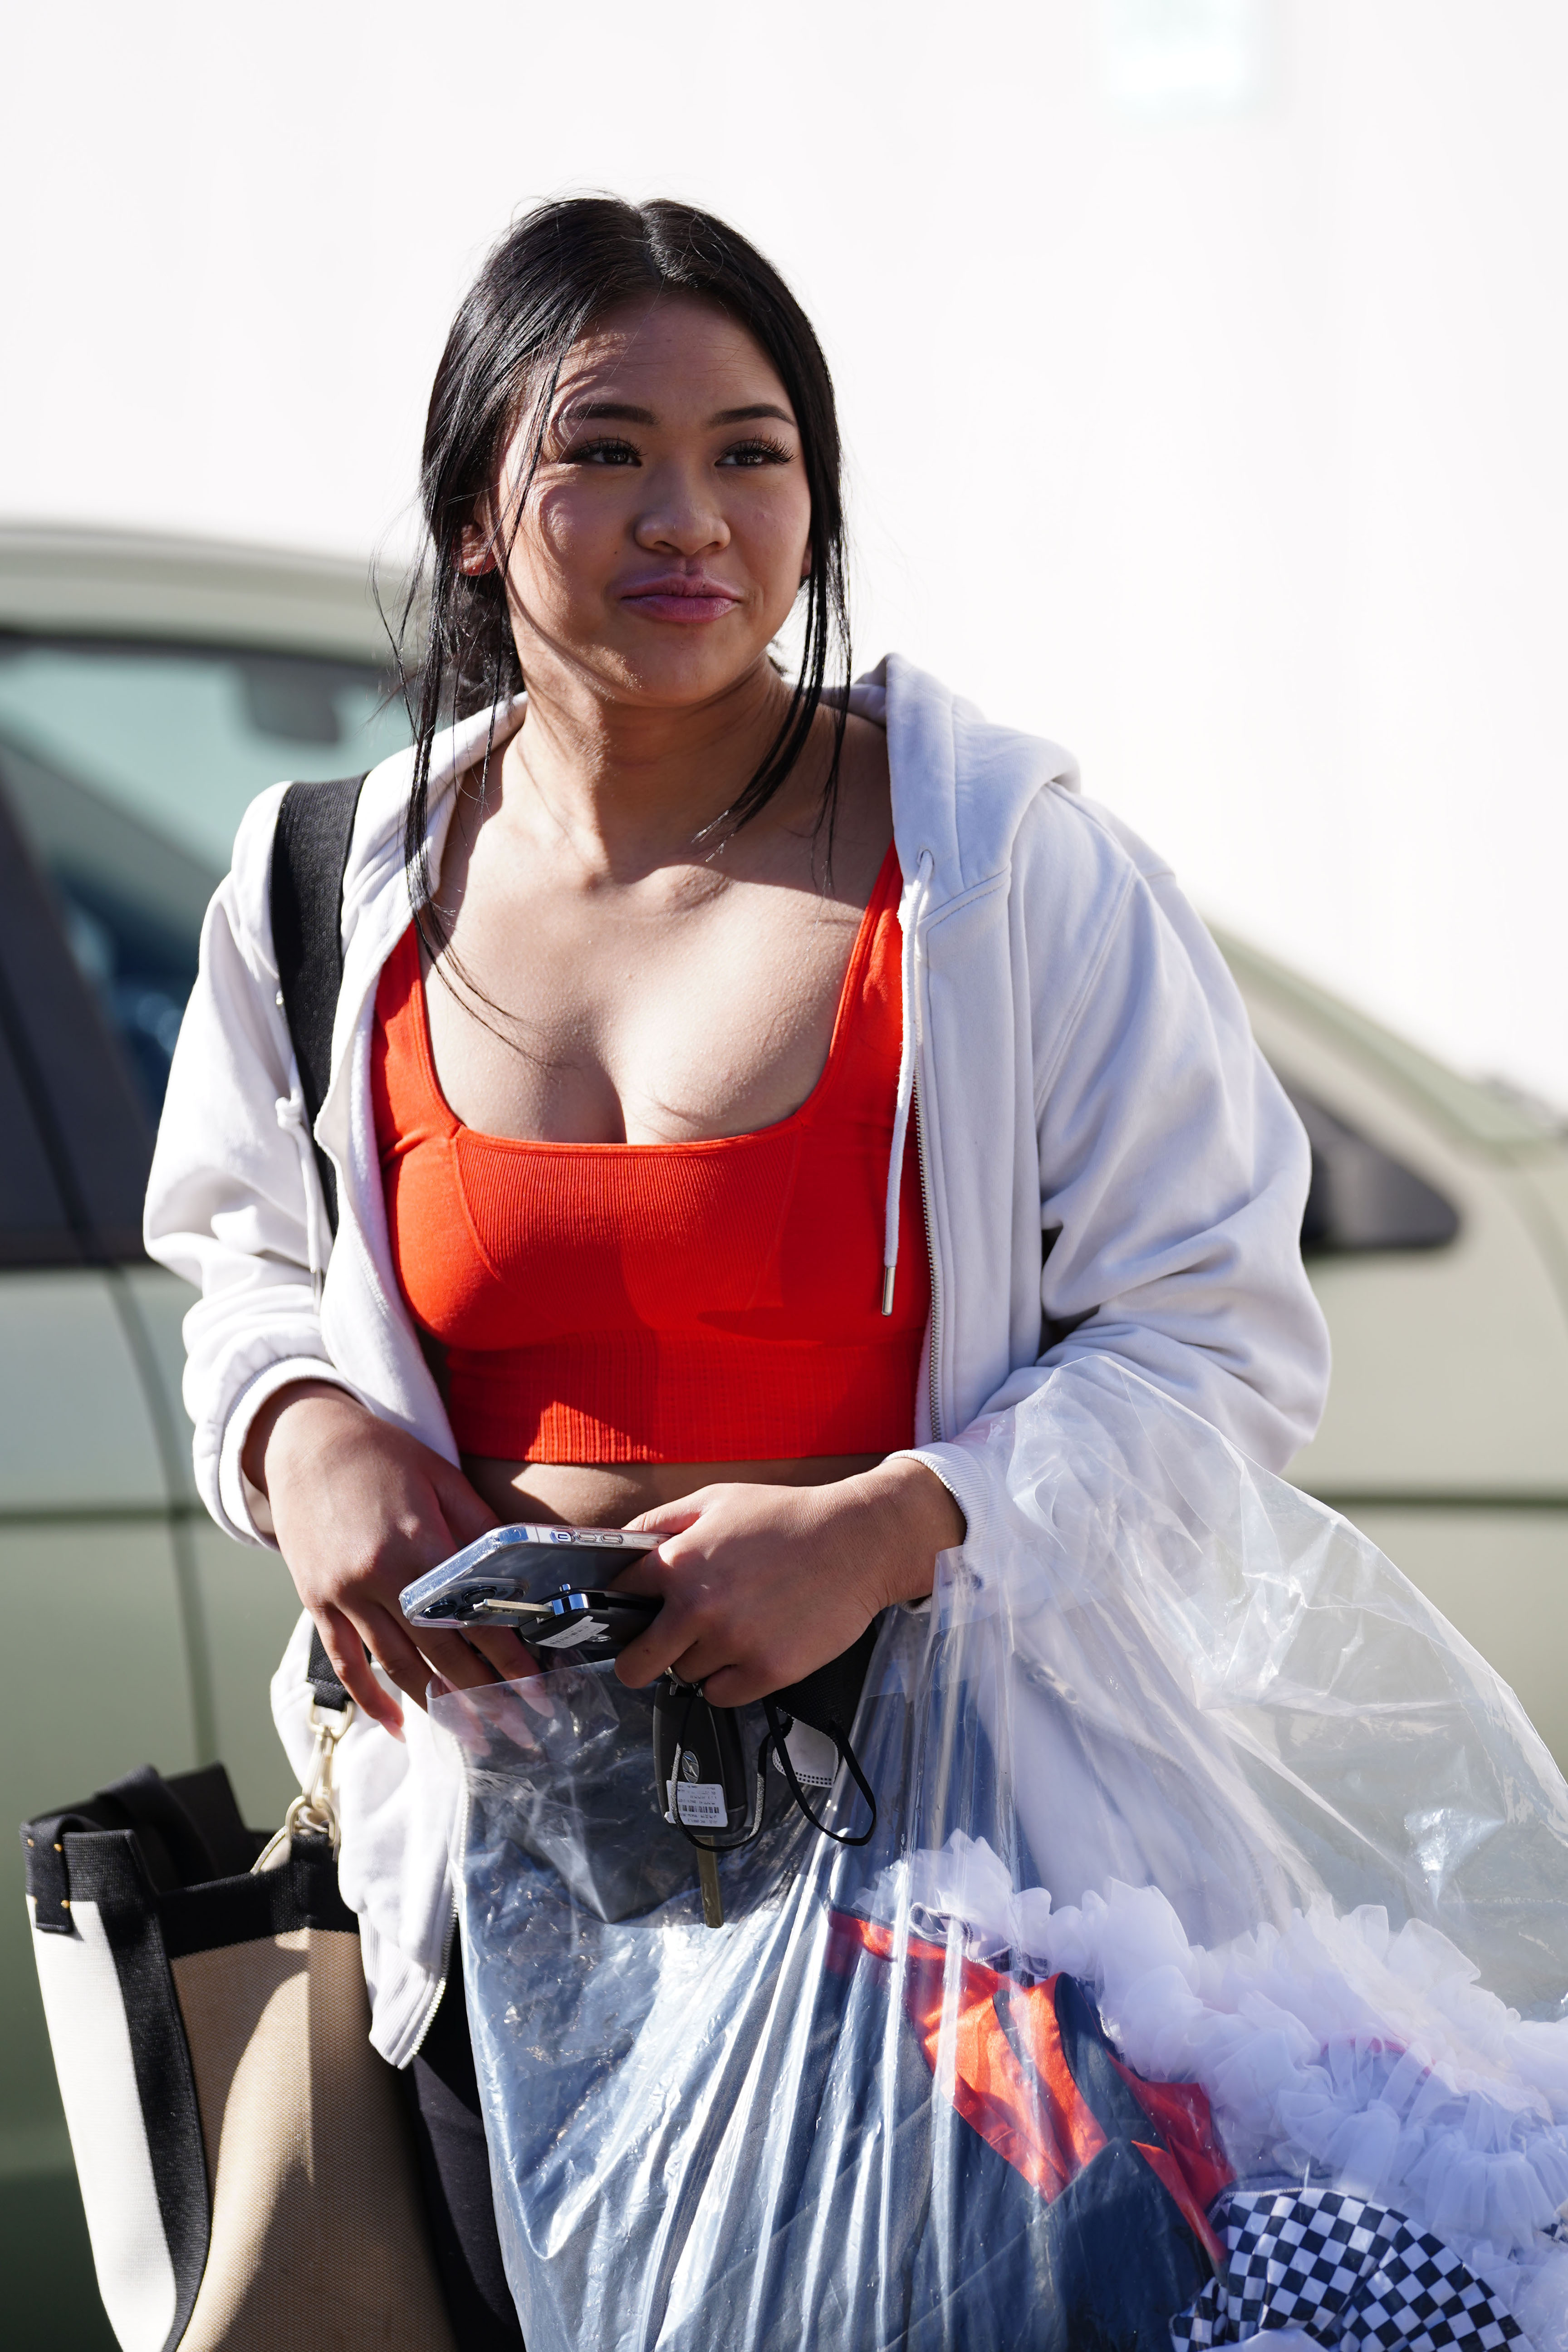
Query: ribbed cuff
[961,1471]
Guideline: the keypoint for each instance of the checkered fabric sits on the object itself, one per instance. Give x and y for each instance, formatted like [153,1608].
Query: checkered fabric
[1349,2273]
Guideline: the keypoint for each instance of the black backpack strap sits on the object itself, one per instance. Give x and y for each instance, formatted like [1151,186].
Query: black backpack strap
[321,1675]
[310,853]
[310,857]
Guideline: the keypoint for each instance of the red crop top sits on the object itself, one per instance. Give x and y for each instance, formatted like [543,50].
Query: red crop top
[717,1301]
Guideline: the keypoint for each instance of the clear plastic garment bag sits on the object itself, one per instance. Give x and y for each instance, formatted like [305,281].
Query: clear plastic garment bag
[1203,1975]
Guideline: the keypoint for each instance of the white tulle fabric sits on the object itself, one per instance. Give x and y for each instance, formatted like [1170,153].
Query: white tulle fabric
[1334,2048]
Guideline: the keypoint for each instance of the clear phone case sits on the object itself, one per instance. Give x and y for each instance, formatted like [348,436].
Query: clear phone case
[521,1563]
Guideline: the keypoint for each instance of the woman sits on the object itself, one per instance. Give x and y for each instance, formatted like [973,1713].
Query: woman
[642,974]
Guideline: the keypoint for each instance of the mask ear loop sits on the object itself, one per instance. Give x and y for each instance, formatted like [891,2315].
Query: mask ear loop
[847,1757]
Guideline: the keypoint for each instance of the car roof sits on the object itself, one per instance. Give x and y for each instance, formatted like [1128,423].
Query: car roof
[1491,1116]
[60,578]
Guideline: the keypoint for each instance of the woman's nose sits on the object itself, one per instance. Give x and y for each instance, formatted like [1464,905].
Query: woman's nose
[682,516]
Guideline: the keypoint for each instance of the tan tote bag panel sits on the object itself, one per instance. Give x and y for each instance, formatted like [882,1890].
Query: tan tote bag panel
[310,2248]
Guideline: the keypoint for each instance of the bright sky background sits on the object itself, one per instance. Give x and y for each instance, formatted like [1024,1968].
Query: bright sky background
[1202,364]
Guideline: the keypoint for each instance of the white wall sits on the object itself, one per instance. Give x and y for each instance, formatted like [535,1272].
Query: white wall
[1202,364]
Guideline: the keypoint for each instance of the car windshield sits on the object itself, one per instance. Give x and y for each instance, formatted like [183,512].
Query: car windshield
[129,767]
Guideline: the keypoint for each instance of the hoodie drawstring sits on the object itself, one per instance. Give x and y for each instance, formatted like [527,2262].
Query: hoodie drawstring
[906,1092]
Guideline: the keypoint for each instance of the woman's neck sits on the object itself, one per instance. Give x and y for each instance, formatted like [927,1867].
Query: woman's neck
[631,787]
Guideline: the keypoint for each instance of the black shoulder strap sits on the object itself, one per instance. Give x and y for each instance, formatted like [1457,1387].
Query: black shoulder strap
[309,856]
[309,852]
[321,1675]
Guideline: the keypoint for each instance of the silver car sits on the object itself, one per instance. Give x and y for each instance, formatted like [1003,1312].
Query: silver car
[148,689]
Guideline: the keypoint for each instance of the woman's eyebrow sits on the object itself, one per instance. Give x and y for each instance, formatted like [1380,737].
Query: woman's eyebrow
[745,415]
[585,412]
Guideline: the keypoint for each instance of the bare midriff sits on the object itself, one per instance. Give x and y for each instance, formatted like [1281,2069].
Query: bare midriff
[608,1493]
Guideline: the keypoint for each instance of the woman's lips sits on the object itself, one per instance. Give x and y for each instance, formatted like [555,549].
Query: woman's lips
[682,599]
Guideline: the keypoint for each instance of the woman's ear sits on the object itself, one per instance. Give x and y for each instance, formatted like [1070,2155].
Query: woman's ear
[476,551]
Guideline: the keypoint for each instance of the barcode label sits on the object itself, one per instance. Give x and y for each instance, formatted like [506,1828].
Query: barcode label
[700,1804]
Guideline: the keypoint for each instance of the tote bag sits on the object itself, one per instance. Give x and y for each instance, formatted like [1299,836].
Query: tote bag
[245,2156]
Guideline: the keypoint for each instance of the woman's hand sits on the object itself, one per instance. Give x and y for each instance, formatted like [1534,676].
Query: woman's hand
[360,1509]
[763,1584]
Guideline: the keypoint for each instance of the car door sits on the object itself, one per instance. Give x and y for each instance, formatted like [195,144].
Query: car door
[99,1664]
[137,1633]
[1437,1243]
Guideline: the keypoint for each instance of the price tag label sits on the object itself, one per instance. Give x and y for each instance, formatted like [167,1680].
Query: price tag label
[585,1630]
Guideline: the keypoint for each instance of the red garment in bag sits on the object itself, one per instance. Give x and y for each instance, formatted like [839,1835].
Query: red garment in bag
[1029,2067]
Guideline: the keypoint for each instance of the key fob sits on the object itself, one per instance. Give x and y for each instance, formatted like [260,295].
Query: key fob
[700,1765]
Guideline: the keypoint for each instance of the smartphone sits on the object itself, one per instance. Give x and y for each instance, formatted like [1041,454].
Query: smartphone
[547,1584]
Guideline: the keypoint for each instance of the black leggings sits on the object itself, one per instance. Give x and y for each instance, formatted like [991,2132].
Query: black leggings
[454,2170]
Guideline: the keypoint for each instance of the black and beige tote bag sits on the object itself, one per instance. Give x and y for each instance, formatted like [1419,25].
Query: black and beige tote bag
[245,2156]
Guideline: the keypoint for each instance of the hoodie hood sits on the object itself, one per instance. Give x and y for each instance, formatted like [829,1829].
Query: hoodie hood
[961,786]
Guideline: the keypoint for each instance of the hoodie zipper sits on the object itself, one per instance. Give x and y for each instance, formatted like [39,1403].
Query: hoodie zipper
[429,2018]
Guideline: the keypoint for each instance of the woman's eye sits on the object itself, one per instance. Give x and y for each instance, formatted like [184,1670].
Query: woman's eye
[603,453]
[757,452]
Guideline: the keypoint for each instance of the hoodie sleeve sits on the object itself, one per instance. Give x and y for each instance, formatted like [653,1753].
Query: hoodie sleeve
[234,1204]
[1173,1175]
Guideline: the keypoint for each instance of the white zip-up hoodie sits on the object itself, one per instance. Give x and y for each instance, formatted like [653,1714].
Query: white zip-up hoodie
[1107,1168]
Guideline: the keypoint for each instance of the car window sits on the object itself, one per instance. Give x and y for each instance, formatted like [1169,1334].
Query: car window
[129,767]
[34,1227]
[1361,1197]
[73,1163]
[183,737]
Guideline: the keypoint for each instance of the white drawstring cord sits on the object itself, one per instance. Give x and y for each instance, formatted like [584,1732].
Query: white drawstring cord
[291,1118]
[906,1093]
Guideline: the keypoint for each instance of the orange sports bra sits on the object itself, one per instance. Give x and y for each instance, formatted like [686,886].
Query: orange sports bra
[717,1301]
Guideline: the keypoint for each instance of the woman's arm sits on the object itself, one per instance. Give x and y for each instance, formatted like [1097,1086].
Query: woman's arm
[233,1202]
[1173,1170]
[359,1509]
[286,1451]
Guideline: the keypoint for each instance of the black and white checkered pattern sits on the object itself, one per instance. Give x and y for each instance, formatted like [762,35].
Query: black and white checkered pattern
[1350,2273]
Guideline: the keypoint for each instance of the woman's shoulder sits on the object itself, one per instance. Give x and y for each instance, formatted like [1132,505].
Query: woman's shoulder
[997,808]
[375,848]
[1066,841]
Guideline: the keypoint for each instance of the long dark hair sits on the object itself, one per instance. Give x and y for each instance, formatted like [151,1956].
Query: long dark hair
[545,284]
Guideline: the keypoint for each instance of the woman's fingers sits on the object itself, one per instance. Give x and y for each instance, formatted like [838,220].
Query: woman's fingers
[674,1640]
[505,1652]
[465,1511]
[345,1648]
[455,1660]
[670,1518]
[466,1660]
[643,1661]
[732,1686]
[395,1651]
[648,1572]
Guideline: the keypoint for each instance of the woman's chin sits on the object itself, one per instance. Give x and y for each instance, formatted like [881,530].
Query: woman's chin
[682,668]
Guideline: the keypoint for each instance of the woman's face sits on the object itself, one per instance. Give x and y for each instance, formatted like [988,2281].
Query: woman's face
[664,536]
